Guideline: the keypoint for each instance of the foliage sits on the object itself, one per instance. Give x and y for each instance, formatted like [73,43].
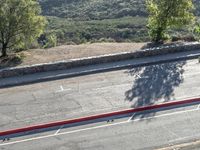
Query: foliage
[124,29]
[167,14]
[48,41]
[197,29]
[93,9]
[79,21]
[98,9]
[12,60]
[20,23]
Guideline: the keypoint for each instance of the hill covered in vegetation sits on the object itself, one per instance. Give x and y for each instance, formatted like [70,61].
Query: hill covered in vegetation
[97,9]
[80,21]
[93,9]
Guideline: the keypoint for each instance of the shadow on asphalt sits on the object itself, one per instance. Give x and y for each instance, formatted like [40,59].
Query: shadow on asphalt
[154,83]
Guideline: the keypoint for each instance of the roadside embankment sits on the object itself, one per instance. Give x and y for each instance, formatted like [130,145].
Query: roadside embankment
[73,63]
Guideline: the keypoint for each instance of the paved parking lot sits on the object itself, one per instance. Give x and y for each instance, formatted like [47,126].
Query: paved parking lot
[157,129]
[96,93]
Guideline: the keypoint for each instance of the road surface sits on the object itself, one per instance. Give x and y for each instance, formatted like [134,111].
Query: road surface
[96,93]
[168,127]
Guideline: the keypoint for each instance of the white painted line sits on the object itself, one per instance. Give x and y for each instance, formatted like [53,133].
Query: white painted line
[198,108]
[169,114]
[97,127]
[145,77]
[58,130]
[138,76]
[62,89]
[130,119]
[64,133]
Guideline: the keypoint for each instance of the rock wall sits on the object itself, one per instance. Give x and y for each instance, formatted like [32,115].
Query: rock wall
[61,65]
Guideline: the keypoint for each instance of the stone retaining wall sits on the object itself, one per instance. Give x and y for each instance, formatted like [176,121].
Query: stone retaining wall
[61,65]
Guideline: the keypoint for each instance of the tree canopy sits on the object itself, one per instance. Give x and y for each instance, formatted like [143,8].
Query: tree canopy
[20,23]
[165,14]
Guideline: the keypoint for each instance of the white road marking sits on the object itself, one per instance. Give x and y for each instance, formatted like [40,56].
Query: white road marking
[145,77]
[169,114]
[58,130]
[130,119]
[64,133]
[138,76]
[198,107]
[97,127]
[62,89]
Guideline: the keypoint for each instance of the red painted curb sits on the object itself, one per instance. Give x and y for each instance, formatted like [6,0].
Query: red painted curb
[89,118]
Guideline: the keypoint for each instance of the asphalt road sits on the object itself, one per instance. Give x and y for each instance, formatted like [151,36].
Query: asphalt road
[97,93]
[167,127]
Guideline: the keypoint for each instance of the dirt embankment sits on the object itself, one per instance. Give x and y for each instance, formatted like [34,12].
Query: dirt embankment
[66,52]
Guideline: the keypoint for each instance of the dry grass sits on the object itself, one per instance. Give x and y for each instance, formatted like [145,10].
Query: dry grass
[67,52]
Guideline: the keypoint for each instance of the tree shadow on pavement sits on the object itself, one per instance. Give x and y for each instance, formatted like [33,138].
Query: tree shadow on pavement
[154,84]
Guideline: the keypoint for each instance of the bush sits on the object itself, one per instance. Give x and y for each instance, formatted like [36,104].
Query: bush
[18,57]
[47,40]
[51,41]
[108,30]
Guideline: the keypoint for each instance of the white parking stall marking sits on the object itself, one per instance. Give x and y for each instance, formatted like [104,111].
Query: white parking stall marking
[98,127]
[198,108]
[64,133]
[61,87]
[145,77]
[62,90]
[138,76]
[58,130]
[130,119]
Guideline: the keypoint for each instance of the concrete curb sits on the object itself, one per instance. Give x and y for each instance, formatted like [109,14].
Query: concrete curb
[87,72]
[100,116]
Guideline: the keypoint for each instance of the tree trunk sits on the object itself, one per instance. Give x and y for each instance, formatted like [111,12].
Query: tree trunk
[4,50]
[159,35]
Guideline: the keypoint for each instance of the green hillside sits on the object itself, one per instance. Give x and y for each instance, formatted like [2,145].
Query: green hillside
[113,30]
[81,21]
[93,9]
[97,9]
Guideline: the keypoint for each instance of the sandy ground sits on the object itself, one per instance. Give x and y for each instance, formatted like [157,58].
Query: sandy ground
[67,52]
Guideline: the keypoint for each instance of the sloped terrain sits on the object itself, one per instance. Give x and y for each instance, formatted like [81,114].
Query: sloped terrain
[80,21]
[97,9]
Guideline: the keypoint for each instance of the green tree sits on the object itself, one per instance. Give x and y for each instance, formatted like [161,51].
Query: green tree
[166,14]
[51,41]
[196,29]
[20,23]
